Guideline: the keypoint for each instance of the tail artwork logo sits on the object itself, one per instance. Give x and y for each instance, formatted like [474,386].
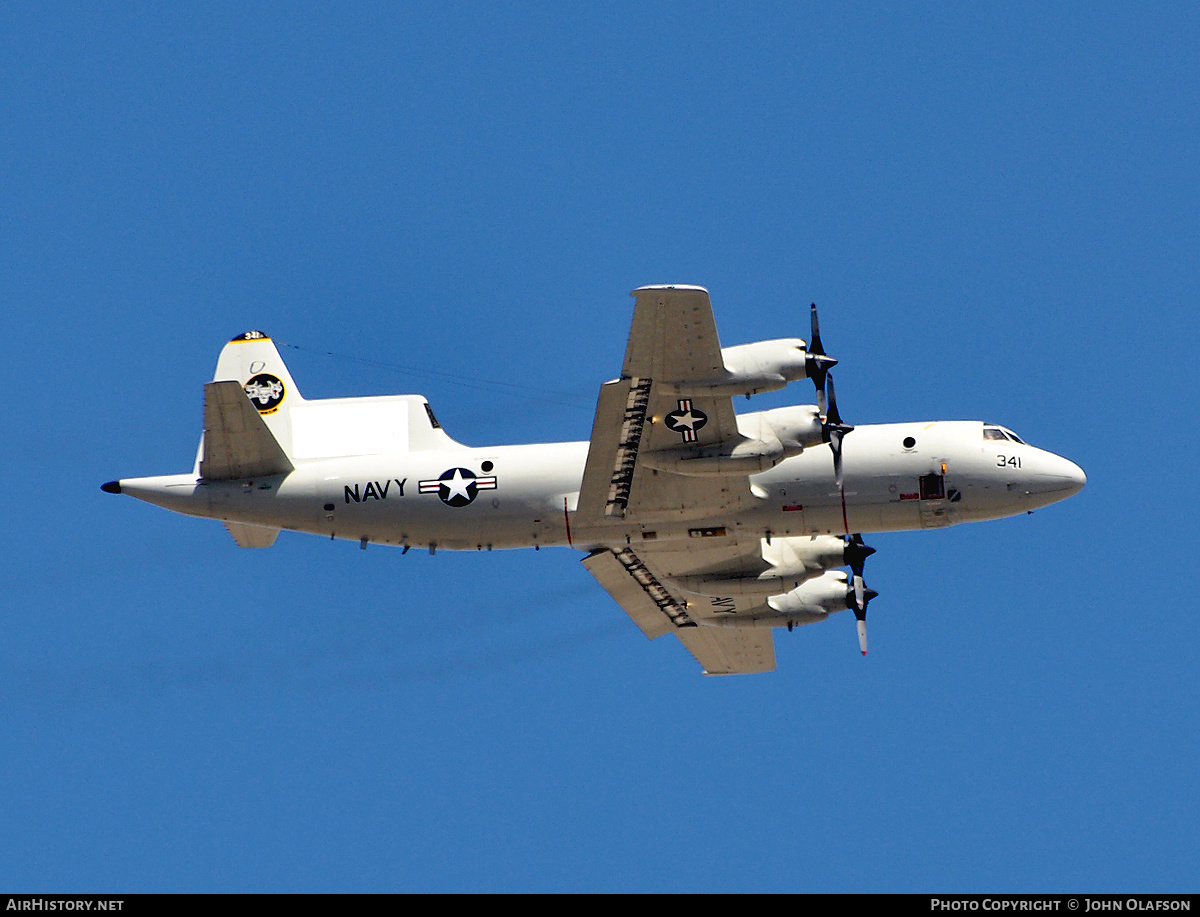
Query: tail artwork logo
[266,392]
[458,486]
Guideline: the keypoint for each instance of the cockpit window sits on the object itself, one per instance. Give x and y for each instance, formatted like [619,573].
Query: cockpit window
[991,432]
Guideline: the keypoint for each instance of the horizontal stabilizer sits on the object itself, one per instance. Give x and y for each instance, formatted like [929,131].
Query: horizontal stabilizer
[252,536]
[237,442]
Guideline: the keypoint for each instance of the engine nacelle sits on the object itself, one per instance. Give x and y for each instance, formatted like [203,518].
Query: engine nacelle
[827,593]
[764,366]
[793,561]
[783,358]
[794,427]
[815,554]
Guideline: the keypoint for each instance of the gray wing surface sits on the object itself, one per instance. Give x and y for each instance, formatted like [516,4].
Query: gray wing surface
[637,583]
[672,342]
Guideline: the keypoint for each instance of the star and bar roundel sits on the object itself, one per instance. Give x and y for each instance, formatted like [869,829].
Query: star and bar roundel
[457,486]
[686,420]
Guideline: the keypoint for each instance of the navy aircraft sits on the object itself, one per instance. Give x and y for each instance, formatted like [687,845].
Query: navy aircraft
[700,522]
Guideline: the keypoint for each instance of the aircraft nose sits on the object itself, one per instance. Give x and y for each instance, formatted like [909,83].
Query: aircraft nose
[1078,478]
[1058,476]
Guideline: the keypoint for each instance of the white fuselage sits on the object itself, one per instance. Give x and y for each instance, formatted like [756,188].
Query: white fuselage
[897,477]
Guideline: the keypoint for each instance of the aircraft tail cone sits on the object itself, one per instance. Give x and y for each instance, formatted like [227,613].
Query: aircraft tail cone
[112,487]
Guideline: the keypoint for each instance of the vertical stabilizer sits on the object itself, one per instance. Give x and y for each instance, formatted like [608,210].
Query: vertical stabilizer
[252,360]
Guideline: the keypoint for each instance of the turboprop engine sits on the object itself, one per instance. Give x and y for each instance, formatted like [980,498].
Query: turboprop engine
[764,366]
[768,437]
[793,561]
[812,601]
[830,592]
[794,427]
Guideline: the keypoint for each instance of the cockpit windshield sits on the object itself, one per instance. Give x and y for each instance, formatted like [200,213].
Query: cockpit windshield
[993,432]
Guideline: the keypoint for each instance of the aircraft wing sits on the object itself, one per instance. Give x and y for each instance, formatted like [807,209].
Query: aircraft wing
[658,606]
[673,342]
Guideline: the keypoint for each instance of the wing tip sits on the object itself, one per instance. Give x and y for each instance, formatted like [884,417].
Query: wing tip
[669,286]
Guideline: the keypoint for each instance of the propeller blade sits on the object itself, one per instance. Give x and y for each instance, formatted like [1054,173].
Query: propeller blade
[834,430]
[835,443]
[832,416]
[858,596]
[817,364]
[814,345]
[861,614]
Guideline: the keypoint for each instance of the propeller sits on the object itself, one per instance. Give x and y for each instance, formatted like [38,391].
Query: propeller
[856,554]
[817,363]
[833,430]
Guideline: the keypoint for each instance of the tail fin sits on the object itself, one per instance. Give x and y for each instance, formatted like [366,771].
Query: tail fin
[252,360]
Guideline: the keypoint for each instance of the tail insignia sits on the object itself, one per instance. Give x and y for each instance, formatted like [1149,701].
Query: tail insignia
[265,392]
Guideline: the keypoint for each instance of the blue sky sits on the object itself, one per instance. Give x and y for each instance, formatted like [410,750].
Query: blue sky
[996,207]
